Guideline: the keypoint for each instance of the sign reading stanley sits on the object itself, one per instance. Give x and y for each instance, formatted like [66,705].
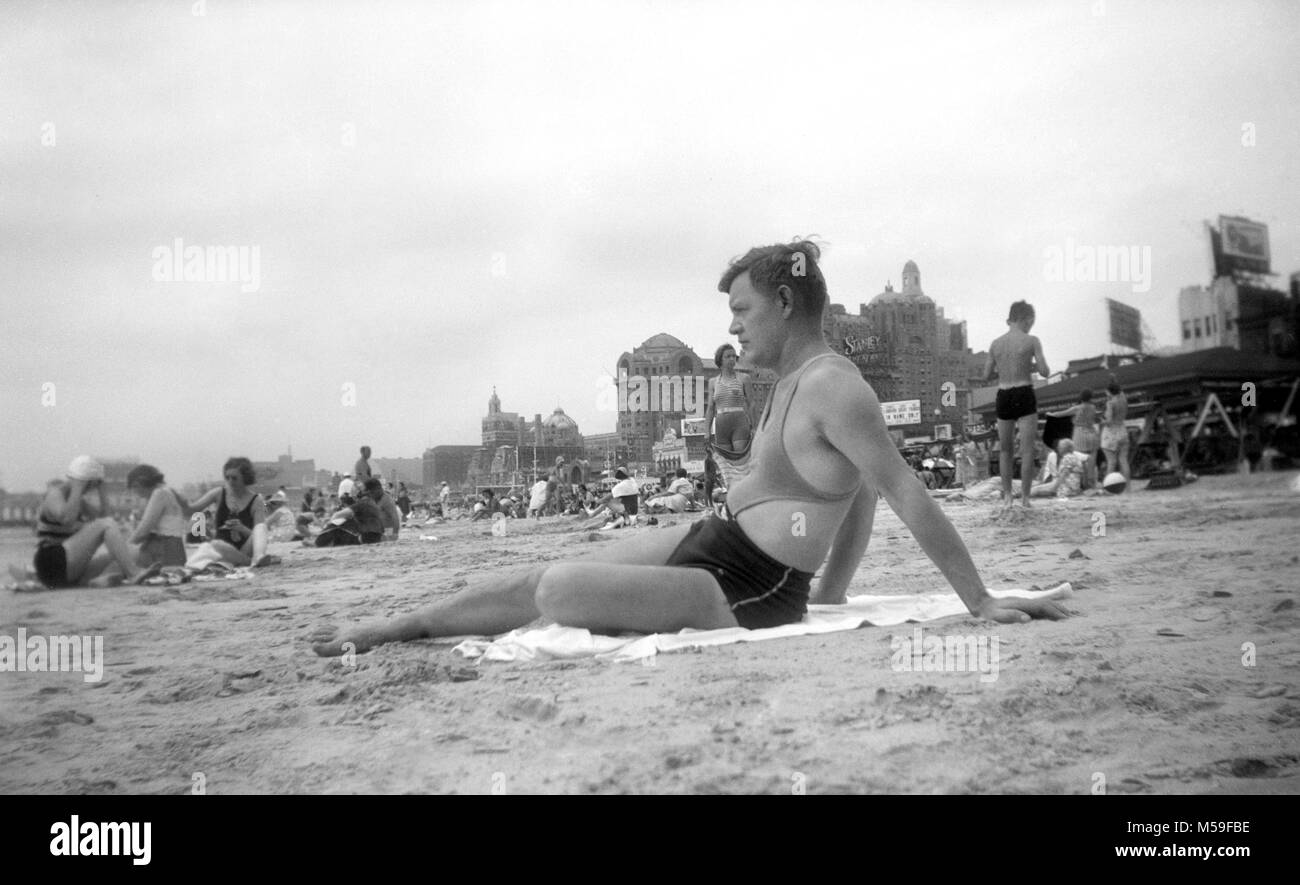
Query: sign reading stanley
[904,411]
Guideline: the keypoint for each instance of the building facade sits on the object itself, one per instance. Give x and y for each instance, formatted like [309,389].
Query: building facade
[515,453]
[906,349]
[1233,313]
[660,382]
[449,464]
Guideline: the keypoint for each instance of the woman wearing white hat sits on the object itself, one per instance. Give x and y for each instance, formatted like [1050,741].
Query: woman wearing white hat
[72,526]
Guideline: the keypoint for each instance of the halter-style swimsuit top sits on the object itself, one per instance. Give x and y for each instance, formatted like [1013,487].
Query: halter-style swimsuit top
[729,394]
[773,476]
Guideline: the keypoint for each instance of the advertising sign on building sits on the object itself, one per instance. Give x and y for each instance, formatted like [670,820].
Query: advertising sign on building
[1240,245]
[900,412]
[1125,324]
[943,431]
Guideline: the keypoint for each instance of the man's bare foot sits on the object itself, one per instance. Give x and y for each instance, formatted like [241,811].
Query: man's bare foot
[330,642]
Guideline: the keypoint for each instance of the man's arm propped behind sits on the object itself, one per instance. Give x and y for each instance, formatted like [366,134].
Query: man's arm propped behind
[856,427]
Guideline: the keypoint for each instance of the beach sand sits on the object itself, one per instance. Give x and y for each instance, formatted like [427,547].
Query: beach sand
[1143,691]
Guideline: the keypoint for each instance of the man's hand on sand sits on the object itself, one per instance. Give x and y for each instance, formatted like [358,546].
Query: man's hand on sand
[1018,610]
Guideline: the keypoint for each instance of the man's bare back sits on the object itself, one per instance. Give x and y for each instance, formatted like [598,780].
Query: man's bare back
[1014,357]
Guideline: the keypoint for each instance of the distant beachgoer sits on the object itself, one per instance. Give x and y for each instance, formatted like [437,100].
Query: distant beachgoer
[1013,360]
[1114,433]
[1085,438]
[362,469]
[377,514]
[727,418]
[241,519]
[537,499]
[443,494]
[163,526]
[347,489]
[677,496]
[403,500]
[72,524]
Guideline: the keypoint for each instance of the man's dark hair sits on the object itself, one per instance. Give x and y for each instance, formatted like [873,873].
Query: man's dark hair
[1021,310]
[365,450]
[785,264]
[373,483]
[1113,387]
[681,471]
[1085,396]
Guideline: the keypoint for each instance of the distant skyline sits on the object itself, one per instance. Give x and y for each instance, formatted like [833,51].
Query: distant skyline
[436,201]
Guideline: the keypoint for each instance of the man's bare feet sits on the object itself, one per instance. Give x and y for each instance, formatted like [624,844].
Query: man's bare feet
[329,641]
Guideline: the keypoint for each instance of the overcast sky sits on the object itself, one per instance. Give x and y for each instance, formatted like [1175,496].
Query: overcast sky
[443,200]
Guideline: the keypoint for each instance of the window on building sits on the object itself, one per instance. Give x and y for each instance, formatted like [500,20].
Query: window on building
[1187,330]
[1227,323]
[1196,327]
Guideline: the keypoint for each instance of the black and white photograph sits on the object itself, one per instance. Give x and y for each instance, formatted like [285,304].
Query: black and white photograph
[649,397]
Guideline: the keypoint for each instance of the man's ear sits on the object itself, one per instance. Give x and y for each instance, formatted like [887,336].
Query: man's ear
[785,297]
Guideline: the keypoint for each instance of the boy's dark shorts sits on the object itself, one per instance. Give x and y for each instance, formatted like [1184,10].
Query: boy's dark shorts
[1015,403]
[760,591]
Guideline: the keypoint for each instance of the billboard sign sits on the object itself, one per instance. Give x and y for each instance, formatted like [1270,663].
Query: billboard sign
[900,412]
[1242,245]
[1125,324]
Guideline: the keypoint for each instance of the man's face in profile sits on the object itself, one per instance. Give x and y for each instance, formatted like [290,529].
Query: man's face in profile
[757,323]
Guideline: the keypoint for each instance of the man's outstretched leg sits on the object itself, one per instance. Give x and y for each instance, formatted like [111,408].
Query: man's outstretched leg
[506,603]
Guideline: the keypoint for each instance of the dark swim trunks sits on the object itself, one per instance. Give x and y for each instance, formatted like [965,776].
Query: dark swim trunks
[760,591]
[51,564]
[1015,403]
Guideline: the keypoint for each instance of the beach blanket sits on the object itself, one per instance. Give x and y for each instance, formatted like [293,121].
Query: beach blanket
[555,641]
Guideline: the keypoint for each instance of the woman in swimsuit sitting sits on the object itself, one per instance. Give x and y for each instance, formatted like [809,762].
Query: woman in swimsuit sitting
[73,523]
[728,404]
[162,529]
[241,518]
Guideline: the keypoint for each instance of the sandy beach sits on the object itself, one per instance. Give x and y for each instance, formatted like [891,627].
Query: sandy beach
[1145,690]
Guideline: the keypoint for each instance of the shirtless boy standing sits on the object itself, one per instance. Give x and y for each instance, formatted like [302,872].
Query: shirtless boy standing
[822,456]
[1013,359]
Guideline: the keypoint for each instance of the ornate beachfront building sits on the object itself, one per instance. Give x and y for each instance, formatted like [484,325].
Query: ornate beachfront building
[907,349]
[515,452]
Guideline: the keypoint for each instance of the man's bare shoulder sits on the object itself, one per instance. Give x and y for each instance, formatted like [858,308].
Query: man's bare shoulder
[839,389]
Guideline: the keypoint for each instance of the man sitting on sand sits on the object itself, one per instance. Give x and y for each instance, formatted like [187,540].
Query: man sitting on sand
[822,456]
[677,497]
[1013,359]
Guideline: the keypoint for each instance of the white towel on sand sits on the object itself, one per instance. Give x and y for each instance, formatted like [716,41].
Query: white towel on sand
[555,641]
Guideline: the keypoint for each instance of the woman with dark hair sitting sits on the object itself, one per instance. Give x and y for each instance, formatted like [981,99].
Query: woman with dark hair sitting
[73,523]
[162,529]
[241,519]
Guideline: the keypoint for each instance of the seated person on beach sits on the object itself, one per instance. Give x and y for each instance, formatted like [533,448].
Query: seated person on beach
[823,457]
[1085,438]
[376,513]
[163,526]
[241,519]
[1067,470]
[677,497]
[72,525]
[1013,360]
